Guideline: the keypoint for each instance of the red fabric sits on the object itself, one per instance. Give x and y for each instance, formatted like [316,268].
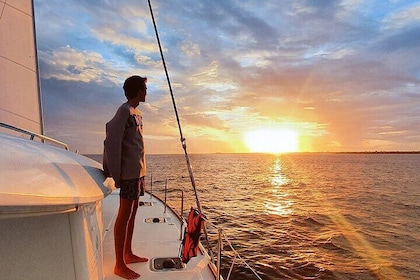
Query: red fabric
[195,223]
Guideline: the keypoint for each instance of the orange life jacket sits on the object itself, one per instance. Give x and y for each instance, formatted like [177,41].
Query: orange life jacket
[195,223]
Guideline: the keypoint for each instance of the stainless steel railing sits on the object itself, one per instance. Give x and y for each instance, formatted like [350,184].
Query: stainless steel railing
[34,135]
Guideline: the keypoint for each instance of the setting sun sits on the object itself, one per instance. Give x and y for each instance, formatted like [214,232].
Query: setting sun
[272,141]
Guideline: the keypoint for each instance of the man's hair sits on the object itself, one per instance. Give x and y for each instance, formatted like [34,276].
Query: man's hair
[132,85]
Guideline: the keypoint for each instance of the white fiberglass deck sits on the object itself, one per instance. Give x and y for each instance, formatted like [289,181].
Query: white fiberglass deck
[151,240]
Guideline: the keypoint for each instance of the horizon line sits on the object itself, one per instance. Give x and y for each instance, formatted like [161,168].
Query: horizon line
[285,153]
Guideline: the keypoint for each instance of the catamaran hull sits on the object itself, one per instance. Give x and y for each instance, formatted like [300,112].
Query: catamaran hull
[54,246]
[51,224]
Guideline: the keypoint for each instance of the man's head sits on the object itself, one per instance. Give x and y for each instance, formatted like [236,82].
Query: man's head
[133,85]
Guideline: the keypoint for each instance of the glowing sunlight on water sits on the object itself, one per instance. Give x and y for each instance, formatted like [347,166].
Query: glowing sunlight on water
[281,204]
[278,179]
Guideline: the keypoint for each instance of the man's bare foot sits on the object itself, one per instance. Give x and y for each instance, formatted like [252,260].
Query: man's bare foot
[135,259]
[126,273]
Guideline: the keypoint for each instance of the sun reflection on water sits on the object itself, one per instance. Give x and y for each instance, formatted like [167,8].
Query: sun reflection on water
[280,203]
[278,179]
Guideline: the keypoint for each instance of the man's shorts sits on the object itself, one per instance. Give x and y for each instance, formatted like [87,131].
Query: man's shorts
[131,189]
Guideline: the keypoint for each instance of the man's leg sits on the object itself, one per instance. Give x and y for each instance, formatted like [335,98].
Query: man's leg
[129,257]
[120,234]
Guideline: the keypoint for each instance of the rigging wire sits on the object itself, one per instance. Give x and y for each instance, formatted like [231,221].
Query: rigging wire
[236,254]
[182,138]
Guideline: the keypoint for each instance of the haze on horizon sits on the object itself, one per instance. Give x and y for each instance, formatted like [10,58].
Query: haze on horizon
[337,76]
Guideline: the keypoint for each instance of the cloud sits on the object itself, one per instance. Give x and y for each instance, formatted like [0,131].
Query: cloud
[67,63]
[343,73]
[402,18]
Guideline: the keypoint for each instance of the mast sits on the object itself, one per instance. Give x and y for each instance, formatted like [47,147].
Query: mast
[38,78]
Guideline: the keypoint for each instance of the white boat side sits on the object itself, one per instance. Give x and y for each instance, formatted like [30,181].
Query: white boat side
[39,177]
[50,212]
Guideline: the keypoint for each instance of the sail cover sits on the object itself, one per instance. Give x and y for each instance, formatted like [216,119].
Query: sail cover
[195,223]
[20,101]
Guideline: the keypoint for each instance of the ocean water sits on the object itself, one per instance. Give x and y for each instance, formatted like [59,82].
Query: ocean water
[305,216]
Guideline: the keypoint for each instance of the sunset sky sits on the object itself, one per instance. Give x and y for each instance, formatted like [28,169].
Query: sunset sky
[288,75]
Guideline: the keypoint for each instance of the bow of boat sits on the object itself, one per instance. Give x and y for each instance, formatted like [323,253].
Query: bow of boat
[157,236]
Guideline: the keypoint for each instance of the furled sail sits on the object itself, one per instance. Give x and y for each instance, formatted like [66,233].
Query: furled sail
[20,100]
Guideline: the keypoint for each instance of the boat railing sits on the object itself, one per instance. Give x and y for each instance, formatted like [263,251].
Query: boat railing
[33,135]
[222,237]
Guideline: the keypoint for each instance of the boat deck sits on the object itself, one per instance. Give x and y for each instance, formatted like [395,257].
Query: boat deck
[151,240]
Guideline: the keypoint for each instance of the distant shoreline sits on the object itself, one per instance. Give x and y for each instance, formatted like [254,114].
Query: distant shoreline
[379,152]
[294,153]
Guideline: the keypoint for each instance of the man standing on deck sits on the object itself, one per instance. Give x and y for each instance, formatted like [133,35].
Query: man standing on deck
[124,160]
